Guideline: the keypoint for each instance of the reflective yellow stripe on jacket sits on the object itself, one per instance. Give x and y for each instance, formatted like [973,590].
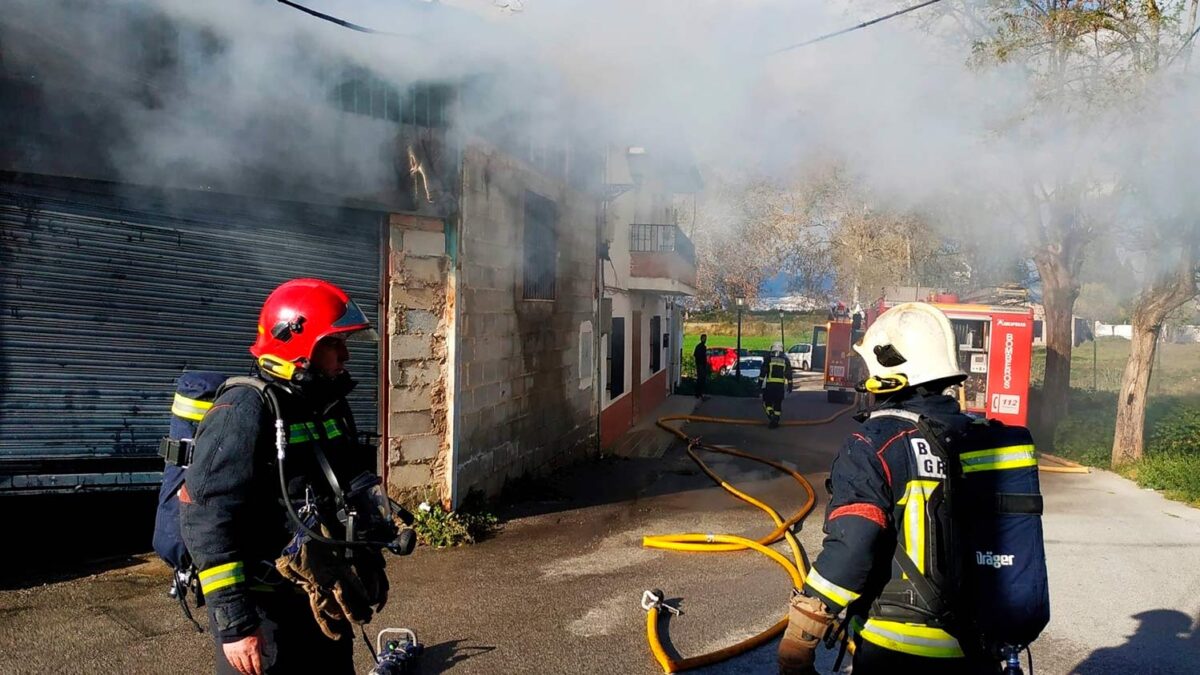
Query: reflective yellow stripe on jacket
[842,596]
[911,639]
[189,408]
[1011,457]
[916,495]
[302,432]
[216,578]
[777,370]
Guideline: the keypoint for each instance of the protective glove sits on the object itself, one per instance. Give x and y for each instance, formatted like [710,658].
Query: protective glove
[336,594]
[808,620]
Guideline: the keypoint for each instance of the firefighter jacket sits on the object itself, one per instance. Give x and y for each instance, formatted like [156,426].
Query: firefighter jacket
[777,370]
[232,515]
[886,496]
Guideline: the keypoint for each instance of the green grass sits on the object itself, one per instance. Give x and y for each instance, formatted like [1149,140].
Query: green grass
[1172,460]
[1176,367]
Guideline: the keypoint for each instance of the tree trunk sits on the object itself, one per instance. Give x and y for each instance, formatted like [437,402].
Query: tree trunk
[1059,290]
[1129,438]
[1161,297]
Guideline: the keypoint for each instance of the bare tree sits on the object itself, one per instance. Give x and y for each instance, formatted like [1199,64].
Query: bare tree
[1082,57]
[1165,292]
[1169,234]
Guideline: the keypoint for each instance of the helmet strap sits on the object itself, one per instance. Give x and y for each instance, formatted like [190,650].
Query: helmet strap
[284,370]
[883,385]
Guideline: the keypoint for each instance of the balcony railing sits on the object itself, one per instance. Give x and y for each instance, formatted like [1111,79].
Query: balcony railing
[659,238]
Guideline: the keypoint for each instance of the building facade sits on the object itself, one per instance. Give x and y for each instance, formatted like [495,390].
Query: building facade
[525,286]
[649,270]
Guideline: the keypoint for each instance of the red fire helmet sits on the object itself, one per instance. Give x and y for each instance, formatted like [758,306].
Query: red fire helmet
[296,316]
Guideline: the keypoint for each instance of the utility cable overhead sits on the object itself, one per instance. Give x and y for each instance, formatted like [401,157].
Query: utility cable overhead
[854,28]
[333,19]
[363,29]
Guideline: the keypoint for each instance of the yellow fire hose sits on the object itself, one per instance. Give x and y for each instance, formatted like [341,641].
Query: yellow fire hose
[1060,465]
[720,543]
[712,543]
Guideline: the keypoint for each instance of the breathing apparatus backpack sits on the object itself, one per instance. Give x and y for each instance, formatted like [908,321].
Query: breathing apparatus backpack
[1005,567]
[366,515]
[194,394]
[995,503]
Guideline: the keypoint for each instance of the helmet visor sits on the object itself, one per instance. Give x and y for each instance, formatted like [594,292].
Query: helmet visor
[353,316]
[354,324]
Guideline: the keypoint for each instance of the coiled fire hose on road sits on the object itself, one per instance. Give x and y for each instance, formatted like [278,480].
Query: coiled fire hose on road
[714,543]
[653,601]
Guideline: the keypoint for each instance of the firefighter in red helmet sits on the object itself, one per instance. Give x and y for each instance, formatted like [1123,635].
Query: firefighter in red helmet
[295,319]
[267,613]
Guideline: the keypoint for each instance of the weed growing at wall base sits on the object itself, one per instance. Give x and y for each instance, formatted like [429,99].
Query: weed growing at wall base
[440,528]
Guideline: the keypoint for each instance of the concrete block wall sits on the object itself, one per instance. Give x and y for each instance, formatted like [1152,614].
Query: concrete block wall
[419,314]
[522,403]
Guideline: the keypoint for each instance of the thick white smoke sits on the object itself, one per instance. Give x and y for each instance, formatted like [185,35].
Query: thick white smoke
[898,103]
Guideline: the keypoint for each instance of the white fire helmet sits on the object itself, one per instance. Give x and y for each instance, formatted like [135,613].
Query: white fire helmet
[909,345]
[777,348]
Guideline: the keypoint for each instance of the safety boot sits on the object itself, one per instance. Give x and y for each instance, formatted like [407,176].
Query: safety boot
[808,620]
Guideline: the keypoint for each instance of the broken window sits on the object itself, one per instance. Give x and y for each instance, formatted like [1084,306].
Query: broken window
[541,248]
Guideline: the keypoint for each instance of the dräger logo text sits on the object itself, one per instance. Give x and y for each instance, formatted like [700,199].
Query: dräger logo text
[990,560]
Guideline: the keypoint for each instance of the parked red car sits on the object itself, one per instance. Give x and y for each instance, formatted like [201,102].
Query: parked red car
[721,360]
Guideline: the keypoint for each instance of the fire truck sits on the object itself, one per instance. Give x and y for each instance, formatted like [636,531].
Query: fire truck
[843,367]
[995,349]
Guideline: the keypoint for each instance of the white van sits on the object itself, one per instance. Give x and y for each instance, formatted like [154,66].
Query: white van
[800,356]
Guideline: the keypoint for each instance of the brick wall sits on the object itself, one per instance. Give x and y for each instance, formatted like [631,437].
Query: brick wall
[419,313]
[522,406]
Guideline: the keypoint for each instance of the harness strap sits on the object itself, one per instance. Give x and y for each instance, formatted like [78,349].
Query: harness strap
[1018,504]
[920,583]
[181,592]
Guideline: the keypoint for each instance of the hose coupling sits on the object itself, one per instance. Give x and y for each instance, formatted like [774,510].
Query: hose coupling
[656,599]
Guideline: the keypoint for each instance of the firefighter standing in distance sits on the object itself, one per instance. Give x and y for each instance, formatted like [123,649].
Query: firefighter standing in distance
[886,503]
[700,356]
[233,517]
[777,382]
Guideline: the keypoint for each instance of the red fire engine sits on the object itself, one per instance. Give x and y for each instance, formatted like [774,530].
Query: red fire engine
[995,349]
[843,367]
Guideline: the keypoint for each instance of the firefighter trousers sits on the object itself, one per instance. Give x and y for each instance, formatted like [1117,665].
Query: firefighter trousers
[291,640]
[773,393]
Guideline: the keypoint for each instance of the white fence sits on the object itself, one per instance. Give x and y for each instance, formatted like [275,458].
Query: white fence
[1114,330]
[1176,334]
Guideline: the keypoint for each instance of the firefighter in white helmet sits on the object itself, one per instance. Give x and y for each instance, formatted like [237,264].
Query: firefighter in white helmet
[874,517]
[777,381]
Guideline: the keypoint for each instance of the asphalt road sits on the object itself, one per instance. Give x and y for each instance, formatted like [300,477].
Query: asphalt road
[557,590]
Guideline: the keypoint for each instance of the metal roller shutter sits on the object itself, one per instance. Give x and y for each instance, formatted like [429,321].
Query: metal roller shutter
[106,298]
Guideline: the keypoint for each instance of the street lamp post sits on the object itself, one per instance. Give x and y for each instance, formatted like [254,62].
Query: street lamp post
[782,339]
[738,364]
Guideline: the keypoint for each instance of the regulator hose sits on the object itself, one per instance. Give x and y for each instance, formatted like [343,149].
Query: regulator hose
[280,457]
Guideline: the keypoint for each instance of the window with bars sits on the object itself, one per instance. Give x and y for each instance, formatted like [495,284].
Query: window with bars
[541,248]
[424,105]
